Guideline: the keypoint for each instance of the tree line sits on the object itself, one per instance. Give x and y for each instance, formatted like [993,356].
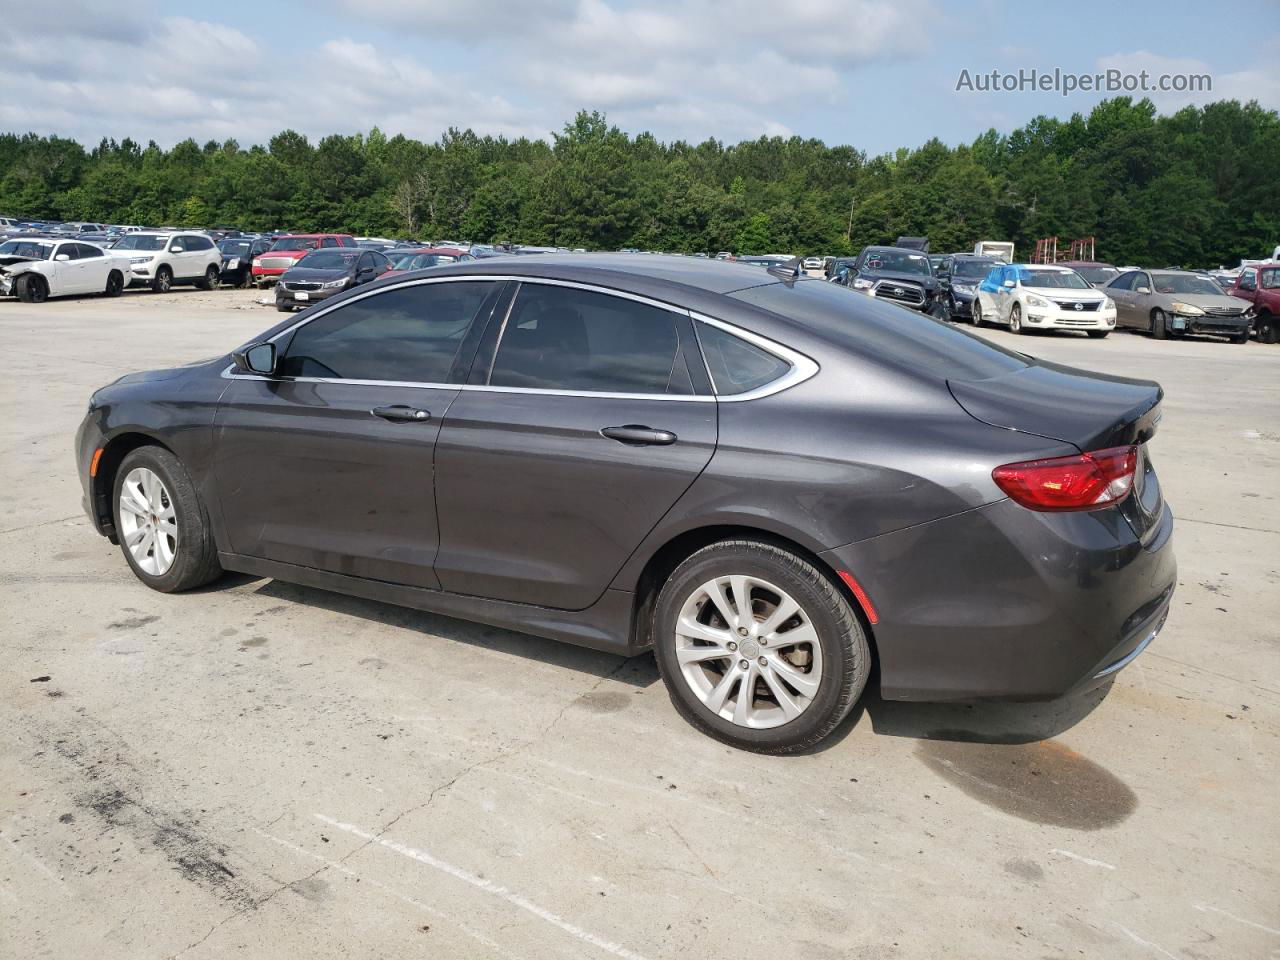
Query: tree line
[1195,188]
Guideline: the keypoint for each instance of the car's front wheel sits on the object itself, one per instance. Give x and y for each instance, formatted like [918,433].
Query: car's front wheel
[31,288]
[115,284]
[1015,319]
[161,523]
[758,647]
[163,281]
[976,313]
[1159,325]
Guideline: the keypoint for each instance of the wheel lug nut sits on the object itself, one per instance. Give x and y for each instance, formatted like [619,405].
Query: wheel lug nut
[743,664]
[764,642]
[742,631]
[732,646]
[763,662]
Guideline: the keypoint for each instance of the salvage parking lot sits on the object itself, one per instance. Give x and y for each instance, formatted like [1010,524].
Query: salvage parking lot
[268,769]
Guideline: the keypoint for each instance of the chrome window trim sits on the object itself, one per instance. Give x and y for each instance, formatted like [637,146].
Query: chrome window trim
[802,367]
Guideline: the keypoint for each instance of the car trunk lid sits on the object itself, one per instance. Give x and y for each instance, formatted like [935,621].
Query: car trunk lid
[1090,410]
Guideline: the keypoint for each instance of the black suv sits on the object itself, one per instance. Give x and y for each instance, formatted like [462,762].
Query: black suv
[896,274]
[958,277]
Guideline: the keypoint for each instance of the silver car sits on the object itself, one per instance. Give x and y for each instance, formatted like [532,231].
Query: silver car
[1175,302]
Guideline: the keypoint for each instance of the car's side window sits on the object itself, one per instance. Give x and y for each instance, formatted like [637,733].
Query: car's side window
[88,251]
[179,244]
[1246,279]
[70,249]
[406,334]
[1270,277]
[735,365]
[564,338]
[328,242]
[1142,280]
[199,243]
[1124,281]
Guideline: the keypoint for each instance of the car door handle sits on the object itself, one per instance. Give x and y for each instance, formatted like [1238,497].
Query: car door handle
[400,413]
[639,436]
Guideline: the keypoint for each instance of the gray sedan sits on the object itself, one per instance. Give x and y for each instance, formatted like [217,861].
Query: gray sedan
[1175,302]
[770,483]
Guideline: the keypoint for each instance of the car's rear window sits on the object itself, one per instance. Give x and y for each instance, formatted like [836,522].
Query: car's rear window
[885,331]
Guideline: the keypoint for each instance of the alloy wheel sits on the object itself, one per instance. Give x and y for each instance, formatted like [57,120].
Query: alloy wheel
[148,521]
[1015,319]
[748,651]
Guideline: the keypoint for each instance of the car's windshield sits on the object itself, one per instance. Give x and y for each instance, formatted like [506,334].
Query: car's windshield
[328,260]
[26,248]
[1184,283]
[136,241]
[1064,279]
[1098,275]
[417,261]
[234,247]
[973,269]
[296,243]
[896,262]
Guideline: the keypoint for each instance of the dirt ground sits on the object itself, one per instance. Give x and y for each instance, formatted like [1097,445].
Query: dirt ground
[262,770]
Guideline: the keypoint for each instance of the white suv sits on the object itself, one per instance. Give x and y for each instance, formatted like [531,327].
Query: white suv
[160,260]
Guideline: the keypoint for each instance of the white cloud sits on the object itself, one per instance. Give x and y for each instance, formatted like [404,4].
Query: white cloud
[1243,85]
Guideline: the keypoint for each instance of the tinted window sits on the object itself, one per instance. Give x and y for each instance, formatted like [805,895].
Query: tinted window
[328,242]
[884,332]
[199,243]
[408,334]
[69,250]
[88,250]
[561,338]
[1124,281]
[737,366]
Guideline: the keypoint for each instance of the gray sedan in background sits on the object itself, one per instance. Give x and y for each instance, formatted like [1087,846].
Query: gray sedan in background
[1176,302]
[768,481]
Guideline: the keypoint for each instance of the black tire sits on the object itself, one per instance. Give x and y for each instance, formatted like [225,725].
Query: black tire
[1241,337]
[115,284]
[31,288]
[283,307]
[1015,319]
[1267,329]
[247,282]
[195,561]
[1159,325]
[210,279]
[1098,334]
[975,313]
[163,281]
[846,654]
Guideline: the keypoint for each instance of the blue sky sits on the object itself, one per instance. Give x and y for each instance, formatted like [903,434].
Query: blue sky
[876,74]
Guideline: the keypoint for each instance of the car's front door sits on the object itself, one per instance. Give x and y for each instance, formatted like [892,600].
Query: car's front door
[587,415]
[329,464]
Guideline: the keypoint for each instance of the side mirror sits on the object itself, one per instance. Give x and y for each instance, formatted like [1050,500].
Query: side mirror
[62,256]
[1010,284]
[175,249]
[257,358]
[1143,290]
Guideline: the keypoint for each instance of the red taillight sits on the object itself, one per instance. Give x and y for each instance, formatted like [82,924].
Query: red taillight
[1085,482]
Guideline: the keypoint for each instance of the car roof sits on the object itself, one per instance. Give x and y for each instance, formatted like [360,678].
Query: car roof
[1084,263]
[452,251]
[311,236]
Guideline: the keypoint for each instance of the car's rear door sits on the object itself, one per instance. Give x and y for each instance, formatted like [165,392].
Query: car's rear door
[329,464]
[588,413]
[94,265]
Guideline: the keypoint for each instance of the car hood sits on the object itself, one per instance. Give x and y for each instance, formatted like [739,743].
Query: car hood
[1207,301]
[312,273]
[11,260]
[1067,293]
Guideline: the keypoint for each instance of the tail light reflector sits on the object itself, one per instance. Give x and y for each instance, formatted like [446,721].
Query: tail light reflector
[1088,481]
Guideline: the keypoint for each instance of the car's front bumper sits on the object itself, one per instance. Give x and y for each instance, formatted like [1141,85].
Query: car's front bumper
[1007,603]
[961,304]
[301,298]
[1217,326]
[1056,318]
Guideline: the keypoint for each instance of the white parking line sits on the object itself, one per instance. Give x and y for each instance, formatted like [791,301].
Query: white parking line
[488,886]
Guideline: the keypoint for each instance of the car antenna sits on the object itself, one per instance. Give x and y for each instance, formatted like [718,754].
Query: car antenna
[791,270]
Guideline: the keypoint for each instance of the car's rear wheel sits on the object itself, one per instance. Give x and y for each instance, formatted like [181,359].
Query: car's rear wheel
[758,647]
[163,281]
[32,288]
[1267,329]
[161,523]
[210,279]
[115,284]
[1159,324]
[1015,319]
[247,281]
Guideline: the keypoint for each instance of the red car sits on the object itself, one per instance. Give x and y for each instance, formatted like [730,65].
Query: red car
[402,261]
[291,248]
[1260,284]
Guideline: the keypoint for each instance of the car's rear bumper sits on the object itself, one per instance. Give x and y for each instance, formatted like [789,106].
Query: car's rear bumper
[1005,603]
